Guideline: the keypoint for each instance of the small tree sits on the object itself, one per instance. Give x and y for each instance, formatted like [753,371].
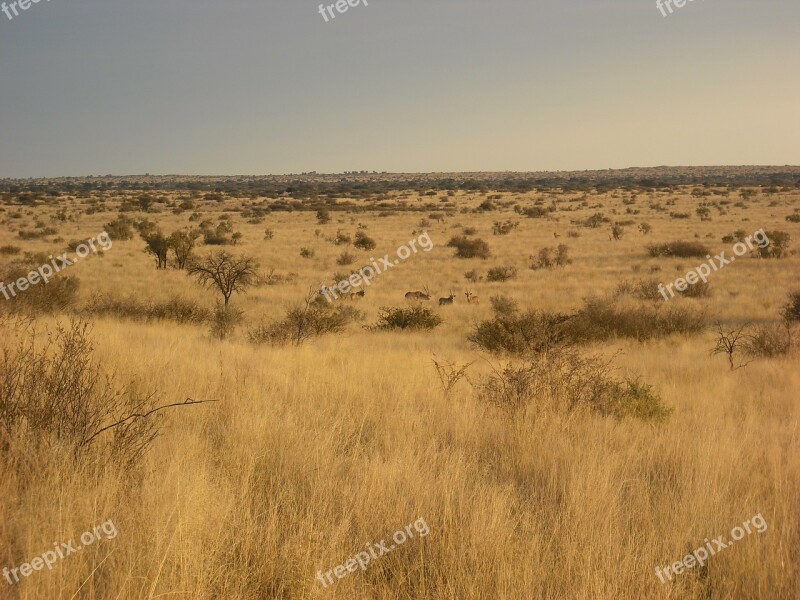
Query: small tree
[182,245]
[323,216]
[225,272]
[363,241]
[157,245]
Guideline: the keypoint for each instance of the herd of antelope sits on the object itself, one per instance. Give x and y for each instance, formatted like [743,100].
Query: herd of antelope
[426,296]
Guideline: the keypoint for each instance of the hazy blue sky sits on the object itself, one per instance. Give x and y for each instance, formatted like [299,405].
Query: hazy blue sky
[259,86]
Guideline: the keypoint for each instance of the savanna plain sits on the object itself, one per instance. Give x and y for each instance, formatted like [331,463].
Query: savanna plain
[560,427]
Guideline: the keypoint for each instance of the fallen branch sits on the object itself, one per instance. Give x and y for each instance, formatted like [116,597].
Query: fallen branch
[187,402]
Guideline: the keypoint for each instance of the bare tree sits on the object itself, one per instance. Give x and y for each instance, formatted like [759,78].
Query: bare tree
[730,342]
[225,272]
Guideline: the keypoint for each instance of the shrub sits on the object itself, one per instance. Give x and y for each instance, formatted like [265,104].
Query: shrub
[268,234]
[566,381]
[55,394]
[323,216]
[793,218]
[643,289]
[225,321]
[503,273]
[549,258]
[345,258]
[57,295]
[679,249]
[469,230]
[791,310]
[503,305]
[10,250]
[363,241]
[769,341]
[120,228]
[415,317]
[311,318]
[473,276]
[504,228]
[469,248]
[520,334]
[180,310]
[306,252]
[604,318]
[701,289]
[778,245]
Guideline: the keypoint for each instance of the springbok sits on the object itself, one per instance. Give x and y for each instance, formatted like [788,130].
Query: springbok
[449,300]
[426,295]
[470,298]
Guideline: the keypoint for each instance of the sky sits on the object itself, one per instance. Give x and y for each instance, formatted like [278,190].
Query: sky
[230,87]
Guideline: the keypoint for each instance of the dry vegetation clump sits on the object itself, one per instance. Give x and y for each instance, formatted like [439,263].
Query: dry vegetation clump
[501,273]
[415,317]
[56,398]
[642,289]
[550,258]
[469,248]
[178,309]
[679,249]
[311,318]
[565,380]
[58,295]
[604,318]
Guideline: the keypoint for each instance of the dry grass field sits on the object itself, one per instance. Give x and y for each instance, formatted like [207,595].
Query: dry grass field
[313,452]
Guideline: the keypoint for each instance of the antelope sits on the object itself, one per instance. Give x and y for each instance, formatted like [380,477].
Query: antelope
[426,295]
[470,298]
[556,235]
[356,295]
[449,300]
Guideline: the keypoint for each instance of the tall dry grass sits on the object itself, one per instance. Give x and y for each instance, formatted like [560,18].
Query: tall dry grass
[314,451]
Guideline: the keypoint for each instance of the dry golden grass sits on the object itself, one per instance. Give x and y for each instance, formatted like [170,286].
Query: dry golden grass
[315,451]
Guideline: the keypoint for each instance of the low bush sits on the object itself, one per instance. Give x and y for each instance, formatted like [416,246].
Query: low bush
[469,248]
[769,341]
[679,249]
[176,309]
[415,317]
[566,381]
[605,318]
[502,273]
[59,294]
[363,241]
[10,250]
[549,258]
[311,318]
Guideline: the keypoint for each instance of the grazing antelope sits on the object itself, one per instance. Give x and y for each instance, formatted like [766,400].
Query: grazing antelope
[556,235]
[356,295]
[471,299]
[449,300]
[426,295]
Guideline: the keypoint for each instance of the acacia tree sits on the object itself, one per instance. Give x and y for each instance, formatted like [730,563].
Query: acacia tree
[157,245]
[182,245]
[225,272]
